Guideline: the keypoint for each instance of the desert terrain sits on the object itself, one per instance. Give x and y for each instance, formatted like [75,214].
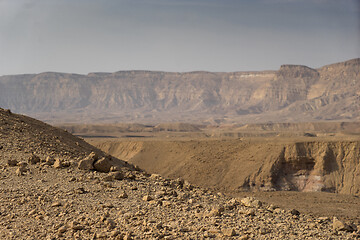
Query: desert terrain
[311,166]
[197,155]
[57,186]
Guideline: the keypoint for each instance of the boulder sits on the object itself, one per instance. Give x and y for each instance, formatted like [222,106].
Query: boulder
[88,162]
[103,165]
[341,226]
[251,202]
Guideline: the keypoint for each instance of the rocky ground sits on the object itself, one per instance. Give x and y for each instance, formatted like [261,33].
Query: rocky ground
[53,187]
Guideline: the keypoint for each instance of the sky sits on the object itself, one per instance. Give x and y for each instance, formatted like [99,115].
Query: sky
[82,36]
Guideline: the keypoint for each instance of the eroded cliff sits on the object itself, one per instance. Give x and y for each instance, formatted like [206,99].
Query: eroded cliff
[293,93]
[259,165]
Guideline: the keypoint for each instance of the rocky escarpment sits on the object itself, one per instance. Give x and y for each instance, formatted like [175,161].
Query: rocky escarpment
[233,165]
[290,84]
[291,94]
[313,166]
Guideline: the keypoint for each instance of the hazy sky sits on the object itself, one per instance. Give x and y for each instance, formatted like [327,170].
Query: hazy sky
[82,36]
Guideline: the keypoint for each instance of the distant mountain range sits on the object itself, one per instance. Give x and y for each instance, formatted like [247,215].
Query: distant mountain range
[294,93]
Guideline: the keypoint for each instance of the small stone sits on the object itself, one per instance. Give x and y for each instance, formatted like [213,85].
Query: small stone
[50,160]
[20,171]
[22,164]
[113,176]
[213,231]
[323,219]
[33,159]
[115,168]
[229,232]
[115,233]
[263,231]
[108,178]
[129,175]
[341,226]
[110,223]
[215,212]
[250,212]
[147,198]
[58,163]
[123,195]
[12,162]
[76,226]
[56,204]
[156,202]
[278,210]
[117,175]
[128,237]
[155,176]
[62,229]
[32,212]
[251,202]
[295,212]
[80,190]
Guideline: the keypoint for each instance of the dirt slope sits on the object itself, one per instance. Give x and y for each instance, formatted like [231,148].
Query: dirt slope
[232,165]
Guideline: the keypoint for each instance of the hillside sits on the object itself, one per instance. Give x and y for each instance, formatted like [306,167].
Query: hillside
[292,94]
[47,193]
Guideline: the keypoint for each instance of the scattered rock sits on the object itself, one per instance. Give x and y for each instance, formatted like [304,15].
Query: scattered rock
[295,212]
[229,232]
[80,190]
[58,163]
[216,212]
[103,165]
[147,198]
[248,212]
[62,229]
[56,204]
[123,195]
[76,226]
[21,170]
[341,226]
[33,159]
[12,162]
[251,202]
[49,160]
[88,162]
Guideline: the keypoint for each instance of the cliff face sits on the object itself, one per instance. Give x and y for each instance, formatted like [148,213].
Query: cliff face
[305,166]
[290,84]
[293,93]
